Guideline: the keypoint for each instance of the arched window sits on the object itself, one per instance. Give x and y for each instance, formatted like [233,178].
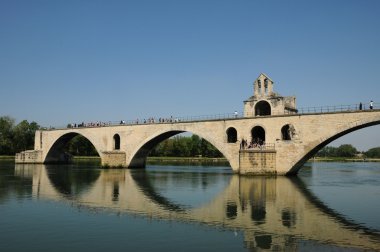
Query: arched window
[262,108]
[258,135]
[288,132]
[116,141]
[285,132]
[259,86]
[266,86]
[231,135]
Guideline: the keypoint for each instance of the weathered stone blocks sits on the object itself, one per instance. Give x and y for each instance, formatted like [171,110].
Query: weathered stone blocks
[258,162]
[113,159]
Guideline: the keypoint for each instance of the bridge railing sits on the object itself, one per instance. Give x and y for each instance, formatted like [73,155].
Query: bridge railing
[222,116]
[153,120]
[336,108]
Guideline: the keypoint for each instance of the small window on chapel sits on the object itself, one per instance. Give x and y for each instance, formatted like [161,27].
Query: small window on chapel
[259,86]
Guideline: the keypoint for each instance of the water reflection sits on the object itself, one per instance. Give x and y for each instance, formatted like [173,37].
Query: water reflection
[273,213]
[18,185]
[71,182]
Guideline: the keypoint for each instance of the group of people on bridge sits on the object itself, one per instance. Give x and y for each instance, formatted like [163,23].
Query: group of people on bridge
[123,122]
[88,125]
[153,120]
[256,143]
[370,105]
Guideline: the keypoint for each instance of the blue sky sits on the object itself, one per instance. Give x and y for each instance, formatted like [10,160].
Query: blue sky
[73,61]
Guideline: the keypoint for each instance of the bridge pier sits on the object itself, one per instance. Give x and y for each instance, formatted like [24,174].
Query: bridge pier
[36,157]
[257,162]
[29,157]
[113,159]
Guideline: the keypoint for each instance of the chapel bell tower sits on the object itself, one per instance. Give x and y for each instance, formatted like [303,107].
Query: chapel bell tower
[265,101]
[263,86]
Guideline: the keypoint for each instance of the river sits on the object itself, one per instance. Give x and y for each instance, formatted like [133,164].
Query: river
[81,207]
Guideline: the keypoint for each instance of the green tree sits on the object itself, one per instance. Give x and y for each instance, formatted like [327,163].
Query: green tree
[346,150]
[195,148]
[6,135]
[23,135]
[80,146]
[327,151]
[180,146]
[373,153]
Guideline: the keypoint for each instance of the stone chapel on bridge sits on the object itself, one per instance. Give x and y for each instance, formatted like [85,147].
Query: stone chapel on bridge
[266,102]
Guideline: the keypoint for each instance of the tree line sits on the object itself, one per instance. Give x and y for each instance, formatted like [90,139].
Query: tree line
[15,138]
[182,146]
[347,150]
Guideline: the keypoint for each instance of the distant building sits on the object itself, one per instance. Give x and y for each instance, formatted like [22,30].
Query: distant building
[266,102]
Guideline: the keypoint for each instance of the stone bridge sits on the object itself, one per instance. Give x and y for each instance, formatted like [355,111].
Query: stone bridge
[271,137]
[271,212]
[129,145]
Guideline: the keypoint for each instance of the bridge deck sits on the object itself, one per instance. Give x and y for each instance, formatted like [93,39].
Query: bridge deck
[353,108]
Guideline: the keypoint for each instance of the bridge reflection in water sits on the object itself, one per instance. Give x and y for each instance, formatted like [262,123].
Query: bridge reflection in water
[273,213]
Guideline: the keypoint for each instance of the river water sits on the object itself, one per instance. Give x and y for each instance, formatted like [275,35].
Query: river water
[80,207]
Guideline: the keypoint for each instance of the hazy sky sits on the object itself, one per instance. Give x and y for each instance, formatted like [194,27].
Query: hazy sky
[73,61]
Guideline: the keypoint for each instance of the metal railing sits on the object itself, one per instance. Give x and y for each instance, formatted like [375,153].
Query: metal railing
[222,116]
[337,108]
[152,120]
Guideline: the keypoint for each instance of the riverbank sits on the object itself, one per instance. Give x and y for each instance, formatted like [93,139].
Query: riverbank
[187,161]
[171,160]
[7,157]
[343,159]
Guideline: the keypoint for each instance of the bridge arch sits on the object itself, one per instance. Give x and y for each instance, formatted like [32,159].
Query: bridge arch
[139,155]
[315,147]
[56,153]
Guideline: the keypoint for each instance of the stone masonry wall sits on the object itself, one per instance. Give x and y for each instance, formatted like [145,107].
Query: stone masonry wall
[29,157]
[113,158]
[257,162]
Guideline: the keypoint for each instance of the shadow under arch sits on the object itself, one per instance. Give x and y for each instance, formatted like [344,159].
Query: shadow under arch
[325,142]
[139,158]
[375,233]
[57,154]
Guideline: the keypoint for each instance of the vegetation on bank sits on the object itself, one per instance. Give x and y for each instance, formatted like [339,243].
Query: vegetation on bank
[16,138]
[347,152]
[344,159]
[181,146]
